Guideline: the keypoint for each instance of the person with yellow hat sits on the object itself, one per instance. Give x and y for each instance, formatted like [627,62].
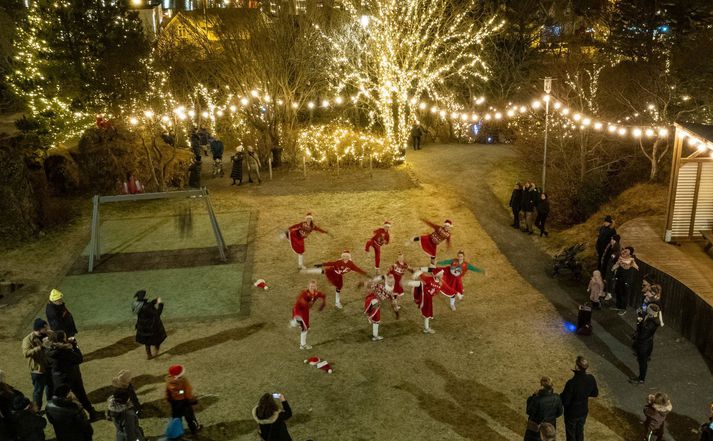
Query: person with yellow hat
[58,316]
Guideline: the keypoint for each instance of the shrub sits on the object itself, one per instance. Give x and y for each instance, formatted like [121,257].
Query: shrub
[326,144]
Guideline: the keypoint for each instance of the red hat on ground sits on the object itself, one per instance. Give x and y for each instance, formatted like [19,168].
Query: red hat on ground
[260,283]
[176,370]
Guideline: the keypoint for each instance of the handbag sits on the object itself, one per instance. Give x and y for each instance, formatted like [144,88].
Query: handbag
[174,429]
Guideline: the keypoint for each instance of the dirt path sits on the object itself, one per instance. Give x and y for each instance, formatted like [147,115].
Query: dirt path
[469,381]
[676,368]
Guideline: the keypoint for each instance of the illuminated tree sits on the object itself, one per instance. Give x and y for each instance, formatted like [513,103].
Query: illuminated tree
[390,54]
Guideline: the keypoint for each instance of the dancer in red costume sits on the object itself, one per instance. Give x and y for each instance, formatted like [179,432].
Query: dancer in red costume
[380,289]
[335,273]
[454,271]
[398,269]
[429,242]
[297,234]
[425,287]
[379,239]
[300,312]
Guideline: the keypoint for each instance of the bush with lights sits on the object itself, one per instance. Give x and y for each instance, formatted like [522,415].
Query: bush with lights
[339,143]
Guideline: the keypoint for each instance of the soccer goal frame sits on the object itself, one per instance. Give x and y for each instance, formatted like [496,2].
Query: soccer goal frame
[95,241]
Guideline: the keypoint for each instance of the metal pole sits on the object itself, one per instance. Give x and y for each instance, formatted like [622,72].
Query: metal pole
[304,165]
[548,89]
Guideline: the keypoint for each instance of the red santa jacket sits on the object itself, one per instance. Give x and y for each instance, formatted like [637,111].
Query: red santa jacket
[341,267]
[308,298]
[439,233]
[303,229]
[381,237]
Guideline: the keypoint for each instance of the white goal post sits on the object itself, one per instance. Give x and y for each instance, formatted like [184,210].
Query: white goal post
[94,243]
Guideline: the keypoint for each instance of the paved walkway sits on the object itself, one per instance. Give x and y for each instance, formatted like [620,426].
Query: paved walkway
[677,367]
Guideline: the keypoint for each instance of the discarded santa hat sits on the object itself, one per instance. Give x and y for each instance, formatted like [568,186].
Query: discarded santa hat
[260,283]
[320,364]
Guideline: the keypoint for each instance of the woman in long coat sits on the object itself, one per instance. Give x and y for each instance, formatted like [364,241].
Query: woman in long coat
[236,173]
[149,327]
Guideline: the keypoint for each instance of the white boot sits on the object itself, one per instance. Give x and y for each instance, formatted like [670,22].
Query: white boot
[337,303]
[293,323]
[460,297]
[426,328]
[301,261]
[303,340]
[453,303]
[375,332]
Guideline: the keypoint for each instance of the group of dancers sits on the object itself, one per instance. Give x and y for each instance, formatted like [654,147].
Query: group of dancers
[444,277]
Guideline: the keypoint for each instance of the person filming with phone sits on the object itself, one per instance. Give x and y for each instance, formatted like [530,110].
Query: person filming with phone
[271,413]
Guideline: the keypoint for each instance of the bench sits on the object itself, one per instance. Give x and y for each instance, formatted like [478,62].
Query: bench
[708,236]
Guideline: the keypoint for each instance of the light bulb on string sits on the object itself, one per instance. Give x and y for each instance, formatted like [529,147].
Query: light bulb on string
[219,113]
[254,93]
[586,122]
[565,111]
[611,129]
[421,105]
[663,132]
[498,115]
[622,131]
[650,133]
[536,104]
[294,105]
[576,117]
[557,105]
[637,133]
[233,108]
[148,114]
[133,121]
[338,100]
[310,105]
[597,125]
[244,101]
[434,109]
[191,113]
[523,109]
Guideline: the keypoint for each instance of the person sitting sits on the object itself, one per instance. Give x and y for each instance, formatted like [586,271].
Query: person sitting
[67,417]
[132,185]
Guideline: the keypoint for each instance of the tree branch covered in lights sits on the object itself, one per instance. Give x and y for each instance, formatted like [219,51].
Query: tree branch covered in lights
[390,54]
[74,59]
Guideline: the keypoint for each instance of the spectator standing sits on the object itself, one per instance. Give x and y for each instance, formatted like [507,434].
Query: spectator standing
[624,271]
[416,135]
[195,143]
[58,316]
[253,163]
[544,406]
[67,417]
[179,395]
[604,235]
[610,257]
[236,172]
[149,327]
[271,416]
[596,289]
[707,428]
[123,382]
[194,172]
[575,399]
[203,136]
[643,344]
[543,210]
[126,421]
[34,351]
[657,408]
[64,357]
[530,197]
[29,425]
[548,432]
[515,205]
[217,149]
[7,398]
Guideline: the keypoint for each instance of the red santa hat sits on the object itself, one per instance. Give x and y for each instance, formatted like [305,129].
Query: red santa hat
[346,255]
[387,224]
[438,274]
[448,223]
[308,216]
[320,364]
[176,370]
[260,283]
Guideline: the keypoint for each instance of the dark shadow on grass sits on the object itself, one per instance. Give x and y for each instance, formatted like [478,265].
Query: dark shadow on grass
[103,393]
[160,408]
[235,334]
[120,347]
[616,419]
[681,426]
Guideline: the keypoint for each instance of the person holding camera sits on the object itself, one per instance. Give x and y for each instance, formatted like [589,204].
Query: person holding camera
[271,413]
[64,358]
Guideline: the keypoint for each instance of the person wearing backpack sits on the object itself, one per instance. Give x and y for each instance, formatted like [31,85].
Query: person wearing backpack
[271,415]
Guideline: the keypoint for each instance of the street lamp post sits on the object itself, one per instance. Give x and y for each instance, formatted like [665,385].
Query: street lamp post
[548,89]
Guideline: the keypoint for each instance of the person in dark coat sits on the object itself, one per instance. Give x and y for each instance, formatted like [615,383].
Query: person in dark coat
[575,400]
[609,258]
[203,136]
[624,273]
[707,428]
[149,327]
[515,205]
[544,406]
[543,210]
[29,425]
[58,316]
[236,172]
[67,417]
[194,172]
[643,344]
[604,235]
[656,410]
[8,394]
[416,135]
[64,358]
[195,143]
[530,198]
[271,418]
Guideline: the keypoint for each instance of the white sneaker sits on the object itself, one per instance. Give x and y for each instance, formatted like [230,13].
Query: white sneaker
[429,331]
[377,338]
[338,305]
[459,297]
[453,307]
[303,347]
